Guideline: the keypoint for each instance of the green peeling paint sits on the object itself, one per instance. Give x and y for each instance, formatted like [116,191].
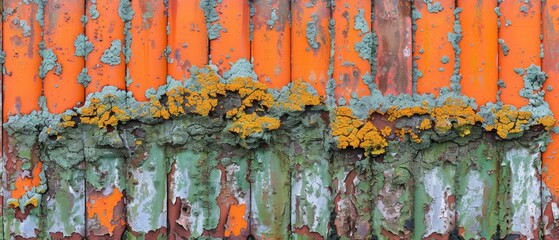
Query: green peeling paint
[477,189]
[434,188]
[393,191]
[270,190]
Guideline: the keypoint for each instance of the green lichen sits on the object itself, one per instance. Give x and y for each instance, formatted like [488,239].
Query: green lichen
[84,78]
[252,12]
[454,38]
[445,59]
[211,15]
[23,24]
[83,46]
[524,8]
[311,32]
[241,68]
[368,48]
[534,78]
[126,13]
[498,12]
[360,22]
[93,10]
[433,7]
[273,19]
[331,85]
[84,20]
[111,55]
[48,63]
[40,15]
[504,46]
[416,73]
[167,53]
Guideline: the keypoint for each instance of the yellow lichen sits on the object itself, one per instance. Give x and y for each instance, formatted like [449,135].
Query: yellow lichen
[248,124]
[508,120]
[395,113]
[299,97]
[352,132]
[547,122]
[66,120]
[97,113]
[454,113]
[425,124]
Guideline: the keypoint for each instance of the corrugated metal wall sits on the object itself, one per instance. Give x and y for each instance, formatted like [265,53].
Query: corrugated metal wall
[280,119]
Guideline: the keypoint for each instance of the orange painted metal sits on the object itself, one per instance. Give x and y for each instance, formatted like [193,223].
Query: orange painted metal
[21,78]
[479,45]
[550,158]
[62,26]
[271,54]
[393,27]
[520,31]
[102,31]
[349,66]
[310,53]
[432,45]
[148,63]
[22,88]
[105,209]
[188,37]
[233,42]
[3,178]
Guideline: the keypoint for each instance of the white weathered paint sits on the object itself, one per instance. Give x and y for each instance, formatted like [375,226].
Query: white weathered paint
[525,191]
[440,217]
[390,209]
[470,205]
[56,211]
[310,188]
[230,176]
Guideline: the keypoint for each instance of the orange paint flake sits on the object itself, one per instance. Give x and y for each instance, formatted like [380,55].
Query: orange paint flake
[24,184]
[236,221]
[103,207]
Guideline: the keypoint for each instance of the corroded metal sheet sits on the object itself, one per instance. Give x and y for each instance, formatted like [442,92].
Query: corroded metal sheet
[352,186]
[270,191]
[520,191]
[393,192]
[477,189]
[435,194]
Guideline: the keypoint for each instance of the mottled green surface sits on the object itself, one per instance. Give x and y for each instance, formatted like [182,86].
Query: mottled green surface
[477,190]
[393,191]
[270,190]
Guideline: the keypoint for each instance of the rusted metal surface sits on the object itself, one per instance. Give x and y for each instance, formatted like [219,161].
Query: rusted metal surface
[392,23]
[352,186]
[477,188]
[270,191]
[253,146]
